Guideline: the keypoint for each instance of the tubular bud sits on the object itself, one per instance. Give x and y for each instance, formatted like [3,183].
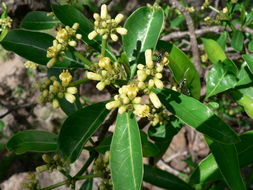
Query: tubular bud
[72,90]
[100,86]
[92,35]
[55,103]
[94,76]
[72,43]
[149,59]
[158,83]
[155,100]
[70,97]
[121,31]
[104,12]
[119,18]
[79,36]
[112,105]
[114,37]
[122,109]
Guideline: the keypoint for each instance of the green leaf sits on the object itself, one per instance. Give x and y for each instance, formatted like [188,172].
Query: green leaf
[87,185]
[214,51]
[33,46]
[1,125]
[250,45]
[68,107]
[237,40]
[208,169]
[177,21]
[149,149]
[75,16]
[164,179]
[222,40]
[126,154]
[144,27]
[221,78]
[79,127]
[162,135]
[38,20]
[197,115]
[223,155]
[104,145]
[249,60]
[244,76]
[32,140]
[182,68]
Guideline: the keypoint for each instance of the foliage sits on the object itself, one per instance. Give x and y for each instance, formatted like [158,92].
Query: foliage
[149,78]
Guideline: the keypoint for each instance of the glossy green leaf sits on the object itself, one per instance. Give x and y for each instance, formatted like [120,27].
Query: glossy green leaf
[213,50]
[162,135]
[244,97]
[177,21]
[208,169]
[249,60]
[87,185]
[244,76]
[126,154]
[182,68]
[33,46]
[79,127]
[144,27]
[221,77]
[163,179]
[75,16]
[197,115]
[227,160]
[38,20]
[32,140]
[148,148]
[222,40]
[104,145]
[250,45]
[237,40]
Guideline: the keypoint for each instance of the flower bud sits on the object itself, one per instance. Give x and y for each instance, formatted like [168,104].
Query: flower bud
[149,59]
[125,100]
[140,66]
[51,62]
[42,168]
[112,105]
[55,103]
[79,36]
[141,75]
[105,36]
[151,83]
[104,12]
[45,93]
[92,35]
[104,24]
[96,16]
[159,68]
[46,158]
[155,100]
[122,109]
[72,90]
[158,83]
[72,43]
[75,26]
[119,18]
[94,76]
[70,97]
[158,75]
[121,31]
[100,86]
[60,95]
[141,85]
[137,100]
[114,37]
[105,62]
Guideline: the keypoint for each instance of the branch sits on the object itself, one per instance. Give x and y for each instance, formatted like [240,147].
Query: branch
[193,38]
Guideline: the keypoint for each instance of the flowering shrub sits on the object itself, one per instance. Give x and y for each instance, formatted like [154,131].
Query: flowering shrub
[150,79]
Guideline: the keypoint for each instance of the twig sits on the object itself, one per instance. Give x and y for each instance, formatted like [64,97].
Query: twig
[11,109]
[193,38]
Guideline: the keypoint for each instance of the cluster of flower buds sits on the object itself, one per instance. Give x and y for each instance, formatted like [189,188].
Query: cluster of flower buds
[148,76]
[158,117]
[105,26]
[205,4]
[105,72]
[5,23]
[101,165]
[32,184]
[65,37]
[30,65]
[52,90]
[51,163]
